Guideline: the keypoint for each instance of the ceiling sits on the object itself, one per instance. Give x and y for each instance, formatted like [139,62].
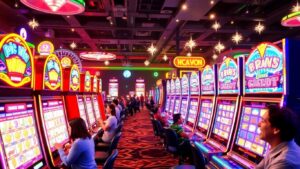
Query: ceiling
[128,27]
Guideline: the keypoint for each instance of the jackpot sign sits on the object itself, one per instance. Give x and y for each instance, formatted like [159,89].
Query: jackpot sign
[74,78]
[189,62]
[15,60]
[264,70]
[52,73]
[208,80]
[228,77]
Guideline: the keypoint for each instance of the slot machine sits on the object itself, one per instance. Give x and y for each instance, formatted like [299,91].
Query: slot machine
[168,96]
[208,93]
[227,105]
[172,100]
[161,90]
[193,103]
[184,96]
[264,84]
[51,105]
[140,88]
[177,96]
[98,103]
[20,143]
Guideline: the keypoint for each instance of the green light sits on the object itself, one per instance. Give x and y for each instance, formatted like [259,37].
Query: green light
[130,68]
[155,74]
[30,45]
[80,2]
[237,55]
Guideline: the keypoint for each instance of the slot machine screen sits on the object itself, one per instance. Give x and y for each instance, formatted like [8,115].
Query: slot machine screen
[193,109]
[247,142]
[167,104]
[82,109]
[177,105]
[19,139]
[172,105]
[205,118]
[55,122]
[184,106]
[90,111]
[223,122]
[96,107]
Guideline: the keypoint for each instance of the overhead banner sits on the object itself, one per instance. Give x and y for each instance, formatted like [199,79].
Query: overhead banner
[189,62]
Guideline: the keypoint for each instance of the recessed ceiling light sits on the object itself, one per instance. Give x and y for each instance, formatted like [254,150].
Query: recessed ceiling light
[212,2]
[212,16]
[184,7]
[232,22]
[72,29]
[216,26]
[177,20]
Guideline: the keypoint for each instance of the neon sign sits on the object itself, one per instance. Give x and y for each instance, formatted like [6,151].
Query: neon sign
[87,81]
[52,73]
[208,80]
[228,77]
[264,70]
[194,82]
[184,85]
[15,61]
[66,62]
[189,62]
[177,86]
[100,85]
[45,48]
[74,78]
[95,84]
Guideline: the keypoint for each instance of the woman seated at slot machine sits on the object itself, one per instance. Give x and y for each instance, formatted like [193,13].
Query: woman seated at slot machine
[81,154]
[108,126]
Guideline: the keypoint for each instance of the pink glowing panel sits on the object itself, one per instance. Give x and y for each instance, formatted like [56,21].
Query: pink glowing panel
[291,20]
[98,56]
[59,7]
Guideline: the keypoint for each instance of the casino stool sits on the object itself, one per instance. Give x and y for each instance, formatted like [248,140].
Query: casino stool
[101,156]
[109,163]
[160,131]
[172,145]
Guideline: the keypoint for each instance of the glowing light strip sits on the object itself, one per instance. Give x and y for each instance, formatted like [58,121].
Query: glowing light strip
[219,161]
[130,68]
[202,147]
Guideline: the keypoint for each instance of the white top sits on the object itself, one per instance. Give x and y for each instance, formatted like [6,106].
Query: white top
[118,113]
[112,123]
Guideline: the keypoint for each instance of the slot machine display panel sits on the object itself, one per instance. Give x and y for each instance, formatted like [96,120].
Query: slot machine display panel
[96,107]
[167,104]
[223,123]
[184,107]
[172,103]
[177,105]
[193,110]
[90,110]
[55,122]
[205,117]
[82,113]
[20,144]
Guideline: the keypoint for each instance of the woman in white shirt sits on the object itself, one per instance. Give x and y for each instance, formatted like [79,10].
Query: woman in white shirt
[109,125]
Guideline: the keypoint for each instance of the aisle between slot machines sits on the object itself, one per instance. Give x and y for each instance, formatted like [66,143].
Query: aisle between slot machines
[52,114]
[20,144]
[264,84]
[227,105]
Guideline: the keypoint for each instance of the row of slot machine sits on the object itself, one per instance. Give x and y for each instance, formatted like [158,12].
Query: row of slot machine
[223,104]
[37,98]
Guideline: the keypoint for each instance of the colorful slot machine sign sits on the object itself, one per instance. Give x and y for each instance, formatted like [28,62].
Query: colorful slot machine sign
[113,87]
[264,70]
[177,97]
[74,78]
[228,77]
[87,82]
[207,80]
[194,84]
[52,73]
[140,87]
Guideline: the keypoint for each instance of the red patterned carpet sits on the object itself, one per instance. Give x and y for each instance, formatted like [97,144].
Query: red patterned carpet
[139,148]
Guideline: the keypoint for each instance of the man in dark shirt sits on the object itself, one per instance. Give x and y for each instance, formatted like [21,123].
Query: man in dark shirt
[278,128]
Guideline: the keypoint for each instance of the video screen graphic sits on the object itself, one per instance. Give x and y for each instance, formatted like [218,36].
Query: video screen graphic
[20,143]
[183,109]
[167,104]
[177,105]
[172,103]
[82,109]
[96,107]
[223,123]
[193,109]
[55,122]
[90,110]
[205,118]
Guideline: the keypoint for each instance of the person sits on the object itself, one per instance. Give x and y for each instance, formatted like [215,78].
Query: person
[82,152]
[152,102]
[109,126]
[157,116]
[278,128]
[142,100]
[183,138]
[118,110]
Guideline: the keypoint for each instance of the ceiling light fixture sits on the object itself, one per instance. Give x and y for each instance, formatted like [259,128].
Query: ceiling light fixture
[147,63]
[212,16]
[33,23]
[165,57]
[152,49]
[73,45]
[184,7]
[212,2]
[259,28]
[216,26]
[296,8]
[177,20]
[215,56]
[189,54]
[220,47]
[190,44]
[106,62]
[237,38]
[97,56]
[292,19]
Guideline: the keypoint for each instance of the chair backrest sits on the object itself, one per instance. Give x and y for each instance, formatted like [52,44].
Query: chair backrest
[198,158]
[119,128]
[159,128]
[154,127]
[171,140]
[115,141]
[109,163]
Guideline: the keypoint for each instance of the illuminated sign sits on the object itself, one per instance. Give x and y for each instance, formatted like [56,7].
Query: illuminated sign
[177,86]
[264,70]
[208,80]
[126,73]
[95,84]
[194,83]
[100,85]
[52,73]
[184,85]
[189,62]
[228,77]
[172,86]
[45,48]
[16,61]
[66,62]
[23,33]
[74,78]
[87,82]
[140,80]
[62,53]
[168,87]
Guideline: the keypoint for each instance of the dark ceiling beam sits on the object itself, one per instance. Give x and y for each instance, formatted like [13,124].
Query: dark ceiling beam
[131,8]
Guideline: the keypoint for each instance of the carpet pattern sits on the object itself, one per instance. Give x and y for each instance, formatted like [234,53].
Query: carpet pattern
[139,148]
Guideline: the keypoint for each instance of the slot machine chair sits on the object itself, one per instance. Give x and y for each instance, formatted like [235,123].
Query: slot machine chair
[109,163]
[101,156]
[172,145]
